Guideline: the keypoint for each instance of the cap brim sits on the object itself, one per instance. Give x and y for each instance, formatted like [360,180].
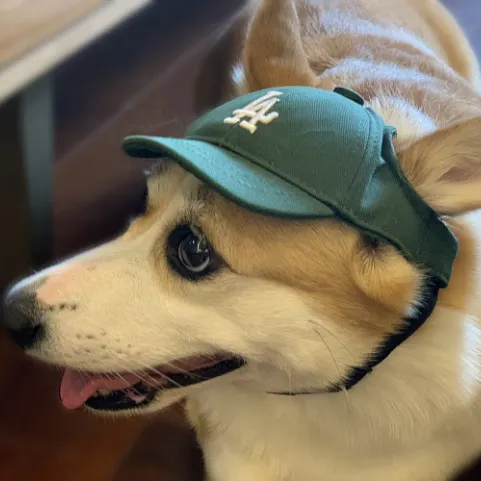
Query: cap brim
[233,176]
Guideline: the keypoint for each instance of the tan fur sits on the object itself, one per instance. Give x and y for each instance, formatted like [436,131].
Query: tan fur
[302,302]
[463,287]
[456,150]
[321,279]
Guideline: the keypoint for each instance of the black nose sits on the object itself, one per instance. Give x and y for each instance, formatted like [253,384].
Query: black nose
[22,317]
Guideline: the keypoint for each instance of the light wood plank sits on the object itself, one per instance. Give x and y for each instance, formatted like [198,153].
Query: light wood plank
[47,55]
[26,23]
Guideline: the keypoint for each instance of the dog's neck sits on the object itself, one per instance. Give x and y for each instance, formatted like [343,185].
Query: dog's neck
[411,396]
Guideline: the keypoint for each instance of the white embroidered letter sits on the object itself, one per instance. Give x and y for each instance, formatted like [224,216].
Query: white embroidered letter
[256,111]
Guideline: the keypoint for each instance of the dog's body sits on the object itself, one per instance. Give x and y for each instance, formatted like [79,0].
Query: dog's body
[302,301]
[400,56]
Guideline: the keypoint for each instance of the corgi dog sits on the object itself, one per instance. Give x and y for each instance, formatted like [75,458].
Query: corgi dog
[310,344]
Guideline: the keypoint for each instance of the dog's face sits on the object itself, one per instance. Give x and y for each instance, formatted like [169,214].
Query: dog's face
[196,280]
[197,284]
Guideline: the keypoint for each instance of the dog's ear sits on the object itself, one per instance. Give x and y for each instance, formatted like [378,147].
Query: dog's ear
[445,167]
[274,55]
[385,276]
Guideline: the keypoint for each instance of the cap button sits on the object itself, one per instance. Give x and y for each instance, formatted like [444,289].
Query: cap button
[349,94]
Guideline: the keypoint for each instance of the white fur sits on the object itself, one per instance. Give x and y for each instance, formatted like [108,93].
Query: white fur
[355,434]
[410,122]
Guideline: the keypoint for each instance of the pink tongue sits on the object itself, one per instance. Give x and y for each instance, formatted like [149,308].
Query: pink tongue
[77,386]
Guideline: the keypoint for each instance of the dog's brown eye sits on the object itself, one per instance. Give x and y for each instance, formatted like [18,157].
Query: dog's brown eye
[189,253]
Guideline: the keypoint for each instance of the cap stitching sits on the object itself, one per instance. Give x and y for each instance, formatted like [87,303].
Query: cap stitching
[202,155]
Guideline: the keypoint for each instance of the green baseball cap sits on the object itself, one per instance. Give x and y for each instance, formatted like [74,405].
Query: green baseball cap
[307,153]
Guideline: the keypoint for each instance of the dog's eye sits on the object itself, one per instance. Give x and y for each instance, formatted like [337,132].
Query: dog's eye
[194,253]
[190,254]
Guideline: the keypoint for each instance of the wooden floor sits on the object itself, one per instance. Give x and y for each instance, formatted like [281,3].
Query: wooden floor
[141,78]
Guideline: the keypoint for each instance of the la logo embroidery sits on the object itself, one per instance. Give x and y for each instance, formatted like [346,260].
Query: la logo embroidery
[257,111]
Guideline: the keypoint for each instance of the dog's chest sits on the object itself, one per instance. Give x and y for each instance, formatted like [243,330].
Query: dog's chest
[246,440]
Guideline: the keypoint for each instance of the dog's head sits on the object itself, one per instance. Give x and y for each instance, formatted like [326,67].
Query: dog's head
[198,286]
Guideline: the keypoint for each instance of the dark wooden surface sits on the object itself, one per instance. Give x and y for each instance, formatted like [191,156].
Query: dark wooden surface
[142,78]
[14,254]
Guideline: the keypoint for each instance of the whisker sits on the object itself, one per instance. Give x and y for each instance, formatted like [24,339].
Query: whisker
[335,337]
[149,380]
[193,375]
[165,377]
[344,390]
[145,377]
[117,375]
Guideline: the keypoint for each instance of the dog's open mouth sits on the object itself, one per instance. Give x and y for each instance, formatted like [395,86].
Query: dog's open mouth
[127,390]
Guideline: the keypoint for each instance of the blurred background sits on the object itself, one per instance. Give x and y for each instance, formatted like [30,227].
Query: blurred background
[76,76]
